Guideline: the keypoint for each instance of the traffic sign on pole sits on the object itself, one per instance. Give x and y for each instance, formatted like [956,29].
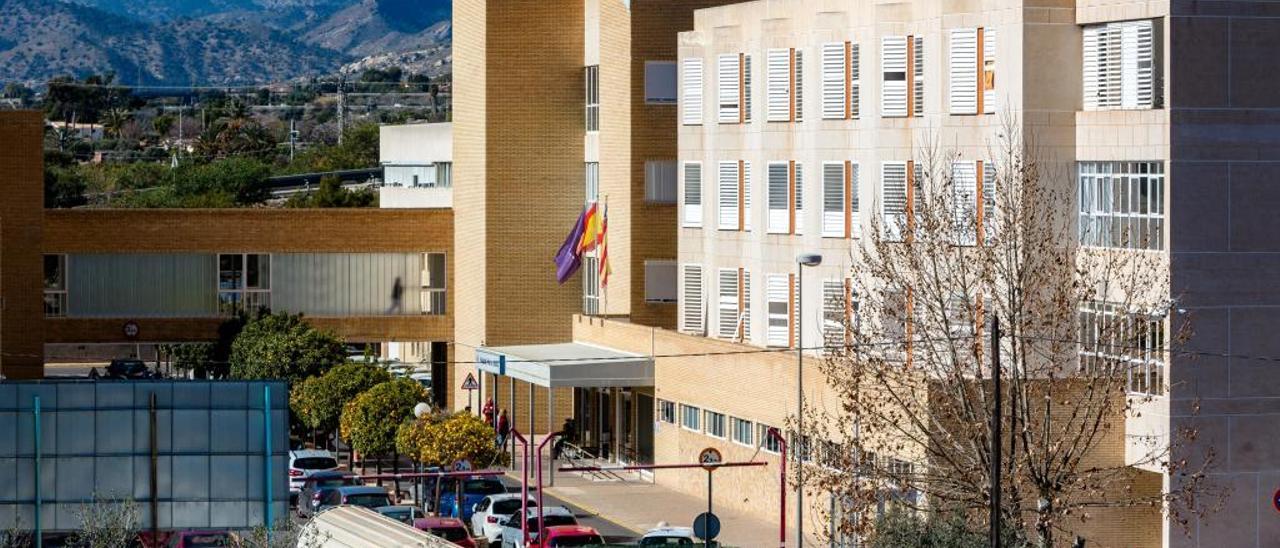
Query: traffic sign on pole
[710,458]
[470,383]
[706,526]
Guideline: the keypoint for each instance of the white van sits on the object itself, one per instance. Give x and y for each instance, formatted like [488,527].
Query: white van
[358,527]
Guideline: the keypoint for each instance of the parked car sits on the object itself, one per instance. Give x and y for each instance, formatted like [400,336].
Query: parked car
[201,539]
[423,379]
[309,498]
[552,516]
[355,495]
[665,535]
[450,529]
[473,490]
[128,368]
[303,463]
[402,513]
[569,535]
[488,514]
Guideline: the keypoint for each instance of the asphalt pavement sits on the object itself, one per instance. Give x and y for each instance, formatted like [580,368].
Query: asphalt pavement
[612,532]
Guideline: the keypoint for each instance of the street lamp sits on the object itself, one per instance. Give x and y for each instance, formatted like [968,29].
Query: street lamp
[802,260]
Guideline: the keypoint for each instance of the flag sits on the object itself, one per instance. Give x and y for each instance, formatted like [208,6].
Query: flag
[590,229]
[605,270]
[567,259]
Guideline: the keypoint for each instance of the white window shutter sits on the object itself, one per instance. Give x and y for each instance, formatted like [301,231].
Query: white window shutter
[855,83]
[777,197]
[893,199]
[799,198]
[746,305]
[746,195]
[893,64]
[778,85]
[833,314]
[987,87]
[833,199]
[1137,58]
[989,210]
[693,194]
[963,93]
[798,85]
[691,316]
[1092,85]
[727,304]
[778,311]
[746,88]
[965,201]
[833,78]
[855,225]
[796,341]
[918,77]
[728,196]
[691,81]
[727,80]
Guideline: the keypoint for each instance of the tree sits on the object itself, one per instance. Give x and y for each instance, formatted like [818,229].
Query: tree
[114,120]
[912,371]
[236,136]
[443,440]
[283,346]
[370,421]
[318,401]
[163,124]
[286,533]
[331,194]
[64,186]
[106,522]
[193,357]
[235,181]
[898,528]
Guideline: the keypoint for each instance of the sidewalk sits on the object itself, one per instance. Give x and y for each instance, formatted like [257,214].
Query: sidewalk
[640,505]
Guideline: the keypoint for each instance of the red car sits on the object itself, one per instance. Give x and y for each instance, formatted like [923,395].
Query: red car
[559,536]
[450,529]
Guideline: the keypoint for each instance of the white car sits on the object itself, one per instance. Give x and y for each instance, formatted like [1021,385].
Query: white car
[551,517]
[666,535]
[491,511]
[303,462]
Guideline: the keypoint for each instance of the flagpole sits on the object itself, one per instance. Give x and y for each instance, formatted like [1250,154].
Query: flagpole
[599,276]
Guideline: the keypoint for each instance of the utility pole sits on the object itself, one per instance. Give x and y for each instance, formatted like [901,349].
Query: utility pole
[995,432]
[342,107]
[293,138]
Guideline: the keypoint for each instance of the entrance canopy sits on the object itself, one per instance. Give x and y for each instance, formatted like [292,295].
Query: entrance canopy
[567,364]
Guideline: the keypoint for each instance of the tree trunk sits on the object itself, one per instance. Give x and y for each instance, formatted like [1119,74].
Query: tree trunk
[395,469]
[377,468]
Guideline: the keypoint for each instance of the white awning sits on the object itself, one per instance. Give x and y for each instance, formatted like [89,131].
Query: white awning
[567,364]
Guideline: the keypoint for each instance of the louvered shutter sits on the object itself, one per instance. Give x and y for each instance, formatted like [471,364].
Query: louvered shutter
[855,81]
[728,196]
[691,299]
[963,92]
[778,310]
[833,314]
[778,85]
[1092,84]
[799,198]
[727,304]
[855,223]
[893,64]
[776,199]
[693,194]
[989,210]
[988,84]
[833,199]
[964,201]
[918,77]
[893,199]
[746,195]
[692,96]
[796,309]
[746,88]
[833,80]
[798,85]
[1137,65]
[746,305]
[727,88]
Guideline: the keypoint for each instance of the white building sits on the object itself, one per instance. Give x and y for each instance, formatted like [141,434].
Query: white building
[417,165]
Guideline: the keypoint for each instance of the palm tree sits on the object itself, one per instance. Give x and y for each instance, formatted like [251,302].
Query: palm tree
[114,119]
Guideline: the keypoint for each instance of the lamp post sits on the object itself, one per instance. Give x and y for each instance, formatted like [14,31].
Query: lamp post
[802,260]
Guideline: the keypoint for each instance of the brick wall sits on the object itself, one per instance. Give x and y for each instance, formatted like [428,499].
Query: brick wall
[21,270]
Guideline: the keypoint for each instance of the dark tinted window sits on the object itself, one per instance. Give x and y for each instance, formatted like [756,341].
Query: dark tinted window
[507,507]
[373,500]
[211,540]
[577,540]
[483,487]
[552,521]
[335,482]
[313,463]
[450,533]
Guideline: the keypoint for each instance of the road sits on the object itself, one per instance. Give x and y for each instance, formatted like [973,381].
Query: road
[612,532]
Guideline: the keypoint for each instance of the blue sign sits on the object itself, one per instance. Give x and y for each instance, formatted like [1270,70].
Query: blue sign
[491,363]
[706,526]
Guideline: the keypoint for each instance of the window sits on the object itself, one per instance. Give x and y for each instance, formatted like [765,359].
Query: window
[244,282]
[778,295]
[970,211]
[893,199]
[689,417]
[742,431]
[734,304]
[691,313]
[1122,65]
[667,411]
[1122,204]
[415,180]
[715,424]
[768,442]
[691,80]
[746,88]
[433,284]
[659,281]
[55,286]
[692,216]
[784,84]
[1115,341]
[593,97]
[838,309]
[801,447]
[729,207]
[840,199]
[591,182]
[660,82]
[444,175]
[785,192]
[973,71]
[840,82]
[902,84]
[590,285]
[729,87]
[660,182]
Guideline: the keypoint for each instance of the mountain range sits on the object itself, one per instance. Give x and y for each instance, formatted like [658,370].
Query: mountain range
[218,42]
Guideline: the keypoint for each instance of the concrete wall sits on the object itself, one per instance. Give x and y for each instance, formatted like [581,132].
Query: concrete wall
[21,275]
[415,143]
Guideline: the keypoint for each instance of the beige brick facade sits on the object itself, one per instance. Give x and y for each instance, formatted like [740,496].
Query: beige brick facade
[21,280]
